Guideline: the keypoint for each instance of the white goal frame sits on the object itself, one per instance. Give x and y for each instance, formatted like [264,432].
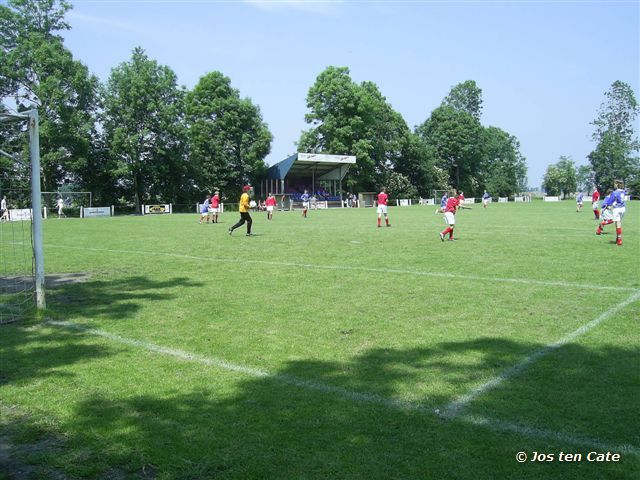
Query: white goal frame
[33,124]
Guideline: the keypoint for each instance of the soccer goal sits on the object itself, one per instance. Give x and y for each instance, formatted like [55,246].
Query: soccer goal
[21,252]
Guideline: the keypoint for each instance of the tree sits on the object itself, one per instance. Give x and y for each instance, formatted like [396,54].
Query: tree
[145,131]
[503,170]
[36,70]
[465,97]
[456,137]
[228,140]
[584,178]
[352,119]
[398,185]
[561,178]
[616,152]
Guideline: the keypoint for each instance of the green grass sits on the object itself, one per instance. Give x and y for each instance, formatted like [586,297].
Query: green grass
[352,336]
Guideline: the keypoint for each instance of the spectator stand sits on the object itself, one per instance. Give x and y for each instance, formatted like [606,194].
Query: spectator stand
[320,174]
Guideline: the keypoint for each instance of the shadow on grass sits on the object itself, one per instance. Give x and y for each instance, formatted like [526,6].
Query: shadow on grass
[114,299]
[268,427]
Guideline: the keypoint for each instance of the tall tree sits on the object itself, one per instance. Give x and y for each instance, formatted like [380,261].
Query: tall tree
[144,130]
[456,137]
[36,70]
[228,140]
[466,97]
[561,178]
[503,171]
[616,152]
[354,119]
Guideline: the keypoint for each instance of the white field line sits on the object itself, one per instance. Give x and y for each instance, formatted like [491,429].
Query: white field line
[454,276]
[355,397]
[454,408]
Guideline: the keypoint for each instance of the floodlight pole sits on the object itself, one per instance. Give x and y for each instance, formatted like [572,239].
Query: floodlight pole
[36,204]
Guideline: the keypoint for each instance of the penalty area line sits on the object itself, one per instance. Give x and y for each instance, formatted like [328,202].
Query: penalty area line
[365,398]
[356,268]
[454,408]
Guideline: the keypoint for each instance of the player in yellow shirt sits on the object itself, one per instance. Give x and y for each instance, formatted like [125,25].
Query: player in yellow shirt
[244,208]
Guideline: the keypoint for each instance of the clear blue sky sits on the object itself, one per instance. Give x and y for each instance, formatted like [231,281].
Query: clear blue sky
[543,66]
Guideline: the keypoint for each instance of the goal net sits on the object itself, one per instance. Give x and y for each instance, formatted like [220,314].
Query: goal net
[21,259]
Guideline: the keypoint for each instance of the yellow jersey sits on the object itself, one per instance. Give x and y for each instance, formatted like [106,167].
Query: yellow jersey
[244,203]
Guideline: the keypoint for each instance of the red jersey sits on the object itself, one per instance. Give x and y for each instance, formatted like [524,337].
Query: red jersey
[271,202]
[460,198]
[215,201]
[596,196]
[452,205]
[382,198]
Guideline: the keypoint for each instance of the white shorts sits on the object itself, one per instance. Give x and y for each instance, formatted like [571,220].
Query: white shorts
[450,218]
[607,214]
[270,208]
[214,210]
[382,209]
[305,205]
[594,205]
[580,204]
[618,213]
[485,201]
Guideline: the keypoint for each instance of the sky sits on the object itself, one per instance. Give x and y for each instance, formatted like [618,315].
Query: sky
[543,66]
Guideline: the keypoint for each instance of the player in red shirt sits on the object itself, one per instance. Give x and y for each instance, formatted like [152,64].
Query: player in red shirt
[449,215]
[382,206]
[461,198]
[271,204]
[215,206]
[595,198]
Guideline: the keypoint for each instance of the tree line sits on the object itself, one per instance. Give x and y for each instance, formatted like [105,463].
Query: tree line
[615,155]
[140,137]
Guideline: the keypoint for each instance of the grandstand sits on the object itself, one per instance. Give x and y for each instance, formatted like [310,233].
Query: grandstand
[320,174]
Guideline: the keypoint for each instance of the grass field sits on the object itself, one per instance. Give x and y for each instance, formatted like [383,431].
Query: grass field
[328,348]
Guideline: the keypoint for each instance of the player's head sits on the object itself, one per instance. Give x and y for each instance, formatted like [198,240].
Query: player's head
[618,183]
[383,189]
[217,192]
[453,192]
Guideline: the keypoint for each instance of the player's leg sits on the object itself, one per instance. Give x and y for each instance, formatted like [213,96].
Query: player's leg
[249,223]
[386,219]
[238,224]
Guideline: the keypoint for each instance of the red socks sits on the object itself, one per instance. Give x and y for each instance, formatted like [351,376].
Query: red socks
[378,221]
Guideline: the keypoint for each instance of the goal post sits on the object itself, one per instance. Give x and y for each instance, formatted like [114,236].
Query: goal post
[32,119]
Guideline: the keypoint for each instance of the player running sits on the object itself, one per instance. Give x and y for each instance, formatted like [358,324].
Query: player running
[449,215]
[244,208]
[616,202]
[382,206]
[579,202]
[271,205]
[595,202]
[461,198]
[204,210]
[305,203]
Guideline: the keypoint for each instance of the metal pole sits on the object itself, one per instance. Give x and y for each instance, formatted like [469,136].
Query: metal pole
[34,150]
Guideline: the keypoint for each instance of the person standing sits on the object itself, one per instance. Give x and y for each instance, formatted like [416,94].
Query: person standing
[215,206]
[271,205]
[485,199]
[579,202]
[382,206]
[461,198]
[4,212]
[449,215]
[305,203]
[595,202]
[244,207]
[443,203]
[60,205]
